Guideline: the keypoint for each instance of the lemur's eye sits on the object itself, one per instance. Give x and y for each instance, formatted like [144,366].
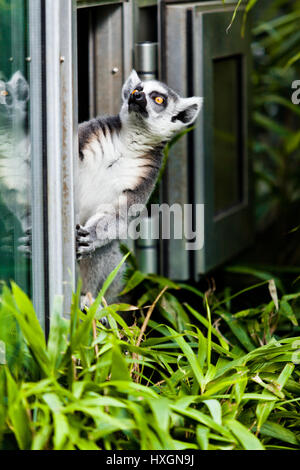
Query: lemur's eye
[4,93]
[159,100]
[134,91]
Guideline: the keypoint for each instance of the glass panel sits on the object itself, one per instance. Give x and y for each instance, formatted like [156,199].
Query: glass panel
[228,157]
[15,155]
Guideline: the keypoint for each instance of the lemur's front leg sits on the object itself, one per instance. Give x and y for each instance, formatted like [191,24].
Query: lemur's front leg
[99,230]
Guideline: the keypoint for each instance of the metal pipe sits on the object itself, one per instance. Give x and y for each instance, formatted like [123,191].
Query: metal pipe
[146,248]
[36,137]
[146,60]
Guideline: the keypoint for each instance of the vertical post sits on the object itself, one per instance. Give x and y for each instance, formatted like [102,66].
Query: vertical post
[36,134]
[61,146]
[69,117]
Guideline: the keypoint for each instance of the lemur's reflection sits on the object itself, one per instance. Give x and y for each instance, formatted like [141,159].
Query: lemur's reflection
[15,190]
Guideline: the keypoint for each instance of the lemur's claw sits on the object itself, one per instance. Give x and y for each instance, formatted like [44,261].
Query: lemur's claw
[25,243]
[84,244]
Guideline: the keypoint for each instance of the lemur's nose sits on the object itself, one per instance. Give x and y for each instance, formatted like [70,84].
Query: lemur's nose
[138,97]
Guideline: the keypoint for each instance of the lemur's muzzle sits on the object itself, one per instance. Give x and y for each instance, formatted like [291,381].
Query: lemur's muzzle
[137,102]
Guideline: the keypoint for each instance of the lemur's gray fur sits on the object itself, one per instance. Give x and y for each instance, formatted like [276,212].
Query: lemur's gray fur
[15,150]
[119,162]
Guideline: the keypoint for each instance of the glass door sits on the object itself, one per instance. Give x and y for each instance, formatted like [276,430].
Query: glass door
[15,145]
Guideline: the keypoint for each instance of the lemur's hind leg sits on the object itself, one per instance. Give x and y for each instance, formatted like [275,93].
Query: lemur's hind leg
[98,252]
[94,271]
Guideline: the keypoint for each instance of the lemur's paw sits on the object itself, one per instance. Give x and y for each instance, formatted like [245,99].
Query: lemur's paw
[84,243]
[25,243]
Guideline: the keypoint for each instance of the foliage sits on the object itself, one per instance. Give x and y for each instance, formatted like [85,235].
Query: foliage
[276,42]
[276,146]
[176,384]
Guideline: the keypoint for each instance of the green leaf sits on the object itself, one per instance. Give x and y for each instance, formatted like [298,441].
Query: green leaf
[111,278]
[256,273]
[202,418]
[95,401]
[202,434]
[119,368]
[287,311]
[238,330]
[279,432]
[173,311]
[17,414]
[248,440]
[133,282]
[215,410]
[272,125]
[85,444]
[162,281]
[57,342]
[161,412]
[12,341]
[61,430]
[82,335]
[292,60]
[30,327]
[205,322]
[263,410]
[53,401]
[41,437]
[191,357]
[209,329]
[234,15]
[240,387]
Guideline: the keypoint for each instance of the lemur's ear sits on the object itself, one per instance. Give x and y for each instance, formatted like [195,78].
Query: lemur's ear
[129,85]
[187,110]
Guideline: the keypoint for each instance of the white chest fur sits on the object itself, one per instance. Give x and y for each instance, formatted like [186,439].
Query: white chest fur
[111,165]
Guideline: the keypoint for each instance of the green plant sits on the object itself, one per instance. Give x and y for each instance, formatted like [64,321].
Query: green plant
[276,45]
[173,385]
[275,149]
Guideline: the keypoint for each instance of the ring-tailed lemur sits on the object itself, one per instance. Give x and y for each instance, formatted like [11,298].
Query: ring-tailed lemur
[15,152]
[120,158]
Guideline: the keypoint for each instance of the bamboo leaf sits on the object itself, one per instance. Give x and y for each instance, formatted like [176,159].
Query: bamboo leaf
[279,432]
[248,440]
[191,357]
[215,410]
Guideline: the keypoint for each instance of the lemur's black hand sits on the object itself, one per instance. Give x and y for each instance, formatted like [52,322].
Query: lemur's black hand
[25,243]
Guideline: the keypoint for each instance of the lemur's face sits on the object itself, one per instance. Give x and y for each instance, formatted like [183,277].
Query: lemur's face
[152,103]
[14,96]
